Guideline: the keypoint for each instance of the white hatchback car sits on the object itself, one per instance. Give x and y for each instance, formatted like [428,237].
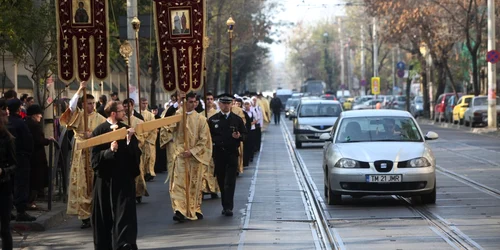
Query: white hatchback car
[378,152]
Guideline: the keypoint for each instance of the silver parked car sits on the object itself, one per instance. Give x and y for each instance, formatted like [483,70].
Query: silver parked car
[314,117]
[378,152]
[477,113]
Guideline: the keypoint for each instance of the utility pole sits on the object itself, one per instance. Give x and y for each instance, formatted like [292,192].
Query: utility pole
[341,56]
[375,50]
[393,70]
[363,76]
[492,102]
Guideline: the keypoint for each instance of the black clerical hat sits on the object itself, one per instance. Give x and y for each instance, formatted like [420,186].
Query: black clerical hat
[225,98]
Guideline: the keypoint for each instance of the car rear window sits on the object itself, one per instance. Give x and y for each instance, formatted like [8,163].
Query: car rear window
[370,129]
[320,110]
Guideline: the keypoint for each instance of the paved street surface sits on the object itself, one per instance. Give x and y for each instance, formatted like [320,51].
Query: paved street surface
[273,211]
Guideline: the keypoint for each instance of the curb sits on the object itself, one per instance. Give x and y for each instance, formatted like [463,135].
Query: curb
[45,221]
[482,131]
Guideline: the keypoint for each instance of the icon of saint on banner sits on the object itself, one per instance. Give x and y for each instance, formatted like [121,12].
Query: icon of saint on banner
[81,13]
[181,22]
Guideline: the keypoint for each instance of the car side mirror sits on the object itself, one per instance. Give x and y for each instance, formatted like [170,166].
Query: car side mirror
[431,136]
[325,136]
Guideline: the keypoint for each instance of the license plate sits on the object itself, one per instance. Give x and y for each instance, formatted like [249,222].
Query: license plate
[384,178]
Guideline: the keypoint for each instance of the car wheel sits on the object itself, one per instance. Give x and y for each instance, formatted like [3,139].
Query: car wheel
[466,123]
[298,144]
[429,198]
[333,199]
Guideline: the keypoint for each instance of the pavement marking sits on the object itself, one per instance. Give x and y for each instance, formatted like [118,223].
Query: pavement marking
[248,212]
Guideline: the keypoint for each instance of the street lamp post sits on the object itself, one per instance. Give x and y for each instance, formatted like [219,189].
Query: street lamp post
[230,26]
[136,25]
[126,52]
[327,68]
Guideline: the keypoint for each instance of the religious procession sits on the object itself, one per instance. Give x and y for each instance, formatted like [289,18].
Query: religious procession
[202,139]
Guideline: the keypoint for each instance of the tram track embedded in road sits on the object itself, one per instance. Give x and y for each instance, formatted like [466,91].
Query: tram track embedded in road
[325,234]
[446,230]
[467,181]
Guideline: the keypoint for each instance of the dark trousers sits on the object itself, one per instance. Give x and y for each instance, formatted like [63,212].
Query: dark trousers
[277,117]
[258,138]
[5,210]
[225,169]
[22,183]
[114,217]
[248,148]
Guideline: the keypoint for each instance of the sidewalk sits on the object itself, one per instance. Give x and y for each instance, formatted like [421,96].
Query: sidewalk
[481,130]
[44,219]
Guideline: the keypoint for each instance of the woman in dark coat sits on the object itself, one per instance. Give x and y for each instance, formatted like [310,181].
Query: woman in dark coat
[39,166]
[7,166]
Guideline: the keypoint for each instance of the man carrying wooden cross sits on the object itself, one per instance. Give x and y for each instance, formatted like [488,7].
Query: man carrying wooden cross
[81,174]
[185,177]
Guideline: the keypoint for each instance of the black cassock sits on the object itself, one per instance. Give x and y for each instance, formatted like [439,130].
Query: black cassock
[114,218]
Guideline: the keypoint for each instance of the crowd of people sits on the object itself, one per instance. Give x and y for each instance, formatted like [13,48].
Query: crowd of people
[23,167]
[106,181]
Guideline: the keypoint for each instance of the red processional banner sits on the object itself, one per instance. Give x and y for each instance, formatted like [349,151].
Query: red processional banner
[180,33]
[82,39]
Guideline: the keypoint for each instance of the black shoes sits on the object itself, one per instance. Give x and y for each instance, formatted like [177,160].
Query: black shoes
[148,177]
[199,216]
[138,199]
[85,224]
[12,216]
[214,196]
[227,212]
[25,217]
[128,247]
[179,217]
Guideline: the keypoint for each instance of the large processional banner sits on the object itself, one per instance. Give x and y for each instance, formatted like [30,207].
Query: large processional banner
[82,39]
[180,34]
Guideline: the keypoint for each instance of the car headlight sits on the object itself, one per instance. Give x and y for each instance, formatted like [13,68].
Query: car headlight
[305,127]
[419,163]
[347,163]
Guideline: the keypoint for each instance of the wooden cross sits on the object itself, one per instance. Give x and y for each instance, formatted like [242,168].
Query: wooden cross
[122,133]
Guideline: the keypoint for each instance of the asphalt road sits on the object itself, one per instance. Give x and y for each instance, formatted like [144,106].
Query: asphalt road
[465,213]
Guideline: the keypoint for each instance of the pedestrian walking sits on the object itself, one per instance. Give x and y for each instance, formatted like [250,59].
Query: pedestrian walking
[276,106]
[228,131]
[81,176]
[114,217]
[186,174]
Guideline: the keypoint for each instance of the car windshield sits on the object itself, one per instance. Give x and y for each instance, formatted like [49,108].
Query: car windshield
[371,129]
[320,110]
[419,99]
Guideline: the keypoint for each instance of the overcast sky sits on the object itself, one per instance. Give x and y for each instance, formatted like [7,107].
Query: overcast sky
[309,11]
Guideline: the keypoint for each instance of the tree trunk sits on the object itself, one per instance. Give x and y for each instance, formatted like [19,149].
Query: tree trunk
[441,79]
[475,73]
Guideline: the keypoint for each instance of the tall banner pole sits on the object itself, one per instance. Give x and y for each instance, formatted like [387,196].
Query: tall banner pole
[126,52]
[136,24]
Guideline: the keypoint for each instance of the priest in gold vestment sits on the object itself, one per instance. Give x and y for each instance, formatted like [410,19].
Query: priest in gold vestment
[149,148]
[185,175]
[237,110]
[81,174]
[210,185]
[140,183]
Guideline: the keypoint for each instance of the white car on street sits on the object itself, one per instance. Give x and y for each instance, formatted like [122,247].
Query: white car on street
[378,152]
